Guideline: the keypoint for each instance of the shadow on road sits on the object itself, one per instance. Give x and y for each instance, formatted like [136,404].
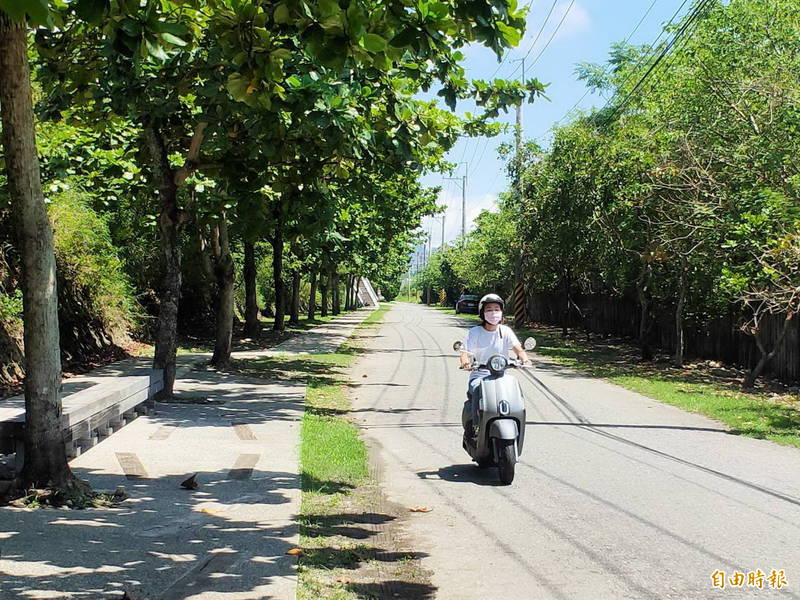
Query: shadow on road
[465,473]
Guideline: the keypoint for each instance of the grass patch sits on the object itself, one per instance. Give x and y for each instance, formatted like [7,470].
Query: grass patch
[335,479]
[376,316]
[772,414]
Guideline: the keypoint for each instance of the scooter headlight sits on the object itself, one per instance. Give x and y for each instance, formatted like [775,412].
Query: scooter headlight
[498,364]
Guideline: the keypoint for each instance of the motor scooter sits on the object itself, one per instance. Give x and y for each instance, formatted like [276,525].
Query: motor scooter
[497,437]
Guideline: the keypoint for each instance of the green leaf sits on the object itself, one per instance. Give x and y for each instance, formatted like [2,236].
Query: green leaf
[14,9]
[404,38]
[510,34]
[281,54]
[237,86]
[281,14]
[374,42]
[92,11]
[172,39]
[38,11]
[155,49]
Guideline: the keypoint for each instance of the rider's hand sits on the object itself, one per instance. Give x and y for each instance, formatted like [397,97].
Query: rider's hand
[527,362]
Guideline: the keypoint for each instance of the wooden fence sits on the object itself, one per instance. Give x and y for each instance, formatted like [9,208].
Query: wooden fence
[719,339]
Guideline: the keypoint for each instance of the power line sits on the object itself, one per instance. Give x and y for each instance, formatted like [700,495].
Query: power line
[628,39]
[536,39]
[651,52]
[510,52]
[555,31]
[675,53]
[691,18]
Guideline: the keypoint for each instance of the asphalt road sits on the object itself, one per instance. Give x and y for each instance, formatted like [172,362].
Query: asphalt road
[616,495]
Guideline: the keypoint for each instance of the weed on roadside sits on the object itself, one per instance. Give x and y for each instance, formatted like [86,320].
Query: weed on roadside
[342,515]
[769,412]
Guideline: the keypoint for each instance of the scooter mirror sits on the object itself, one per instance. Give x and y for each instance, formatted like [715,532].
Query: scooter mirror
[457,346]
[529,344]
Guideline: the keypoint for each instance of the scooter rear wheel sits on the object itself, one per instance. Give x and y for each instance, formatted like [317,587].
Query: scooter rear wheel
[507,460]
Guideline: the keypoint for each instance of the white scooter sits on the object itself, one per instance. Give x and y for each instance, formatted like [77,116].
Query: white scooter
[497,437]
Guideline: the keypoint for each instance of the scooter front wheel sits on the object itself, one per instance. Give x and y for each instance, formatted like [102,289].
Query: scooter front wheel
[507,460]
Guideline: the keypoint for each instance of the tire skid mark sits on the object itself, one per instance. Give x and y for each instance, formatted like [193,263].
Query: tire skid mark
[585,425]
[598,558]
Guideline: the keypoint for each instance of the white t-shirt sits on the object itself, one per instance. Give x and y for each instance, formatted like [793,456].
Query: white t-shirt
[484,344]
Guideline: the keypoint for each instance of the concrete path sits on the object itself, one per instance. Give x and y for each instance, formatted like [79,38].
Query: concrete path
[617,496]
[226,539]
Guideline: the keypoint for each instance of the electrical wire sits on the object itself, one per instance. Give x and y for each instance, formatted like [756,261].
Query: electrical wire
[555,31]
[588,90]
[510,52]
[536,39]
[647,56]
[688,21]
[676,52]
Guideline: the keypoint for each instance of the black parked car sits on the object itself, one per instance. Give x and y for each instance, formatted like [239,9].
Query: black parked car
[467,303]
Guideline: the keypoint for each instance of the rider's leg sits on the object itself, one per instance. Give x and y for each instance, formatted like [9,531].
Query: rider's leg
[472,394]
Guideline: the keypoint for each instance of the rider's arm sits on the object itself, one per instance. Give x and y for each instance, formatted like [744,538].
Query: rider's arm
[465,359]
[521,354]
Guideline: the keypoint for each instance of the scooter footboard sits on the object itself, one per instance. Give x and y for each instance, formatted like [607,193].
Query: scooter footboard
[504,429]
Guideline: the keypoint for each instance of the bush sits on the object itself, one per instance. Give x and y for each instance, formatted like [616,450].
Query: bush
[89,264]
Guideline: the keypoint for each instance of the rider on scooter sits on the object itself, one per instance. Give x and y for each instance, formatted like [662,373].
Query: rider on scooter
[484,341]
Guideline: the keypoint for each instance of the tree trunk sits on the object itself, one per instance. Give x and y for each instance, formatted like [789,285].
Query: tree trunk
[169,226]
[566,310]
[277,273]
[755,372]
[324,282]
[250,299]
[223,270]
[335,293]
[45,460]
[348,296]
[294,319]
[312,296]
[679,341]
[208,275]
[644,319]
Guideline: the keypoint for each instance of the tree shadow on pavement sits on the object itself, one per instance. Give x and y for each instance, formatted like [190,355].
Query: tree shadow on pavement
[394,589]
[225,537]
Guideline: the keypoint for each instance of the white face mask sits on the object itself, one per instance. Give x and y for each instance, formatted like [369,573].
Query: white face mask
[493,317]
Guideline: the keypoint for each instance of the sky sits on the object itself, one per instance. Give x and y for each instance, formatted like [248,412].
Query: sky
[576,31]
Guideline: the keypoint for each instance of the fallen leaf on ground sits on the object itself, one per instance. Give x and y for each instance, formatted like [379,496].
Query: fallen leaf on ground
[364,375]
[422,509]
[295,551]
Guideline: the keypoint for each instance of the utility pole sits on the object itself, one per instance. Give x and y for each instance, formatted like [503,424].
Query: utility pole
[440,217]
[430,240]
[463,180]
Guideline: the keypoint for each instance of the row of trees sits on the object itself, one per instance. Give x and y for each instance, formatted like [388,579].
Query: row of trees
[207,130]
[682,194]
